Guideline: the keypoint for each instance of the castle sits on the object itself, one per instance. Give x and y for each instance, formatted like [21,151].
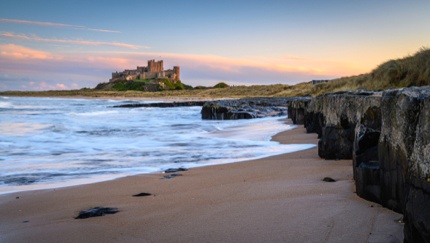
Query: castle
[154,70]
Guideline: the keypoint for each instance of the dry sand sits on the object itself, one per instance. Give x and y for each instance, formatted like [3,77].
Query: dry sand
[276,199]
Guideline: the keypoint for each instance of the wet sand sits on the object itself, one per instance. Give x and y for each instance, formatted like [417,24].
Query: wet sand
[275,199]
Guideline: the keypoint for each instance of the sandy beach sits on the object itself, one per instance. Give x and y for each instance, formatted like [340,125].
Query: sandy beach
[275,199]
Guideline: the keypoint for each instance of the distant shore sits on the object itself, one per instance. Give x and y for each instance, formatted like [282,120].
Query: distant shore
[279,198]
[276,90]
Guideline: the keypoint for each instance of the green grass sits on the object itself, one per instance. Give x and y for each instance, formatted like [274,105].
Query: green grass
[142,80]
[221,85]
[129,85]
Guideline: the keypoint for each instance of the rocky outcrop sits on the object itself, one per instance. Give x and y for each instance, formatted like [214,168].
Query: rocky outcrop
[335,117]
[244,108]
[227,109]
[297,109]
[161,104]
[387,135]
[404,155]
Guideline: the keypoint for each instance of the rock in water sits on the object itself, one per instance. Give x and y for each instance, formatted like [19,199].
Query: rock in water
[95,212]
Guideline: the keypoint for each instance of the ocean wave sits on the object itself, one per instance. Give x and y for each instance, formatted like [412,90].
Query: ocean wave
[5,105]
[74,141]
[21,129]
[94,113]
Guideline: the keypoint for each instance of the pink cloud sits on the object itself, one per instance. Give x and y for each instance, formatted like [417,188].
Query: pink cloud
[65,41]
[51,24]
[46,86]
[20,52]
[113,62]
[60,86]
[283,64]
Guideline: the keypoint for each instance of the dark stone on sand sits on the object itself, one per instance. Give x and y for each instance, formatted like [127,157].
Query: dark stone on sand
[329,179]
[95,212]
[173,170]
[142,194]
[171,176]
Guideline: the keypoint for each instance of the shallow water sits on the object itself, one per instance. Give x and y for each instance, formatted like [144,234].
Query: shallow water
[55,142]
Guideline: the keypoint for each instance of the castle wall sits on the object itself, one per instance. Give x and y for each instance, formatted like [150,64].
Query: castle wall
[154,70]
[131,77]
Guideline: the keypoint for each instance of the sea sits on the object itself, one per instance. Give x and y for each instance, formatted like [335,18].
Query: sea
[56,142]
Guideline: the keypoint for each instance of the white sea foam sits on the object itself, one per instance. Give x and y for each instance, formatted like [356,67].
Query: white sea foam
[21,129]
[94,113]
[61,142]
[4,104]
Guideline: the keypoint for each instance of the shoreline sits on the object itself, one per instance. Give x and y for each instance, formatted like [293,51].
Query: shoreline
[278,198]
[131,98]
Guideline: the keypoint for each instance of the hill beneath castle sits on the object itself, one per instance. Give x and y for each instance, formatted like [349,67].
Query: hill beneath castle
[148,85]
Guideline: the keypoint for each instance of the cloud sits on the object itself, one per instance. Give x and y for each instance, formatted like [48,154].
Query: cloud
[46,86]
[76,42]
[20,52]
[51,24]
[231,65]
[210,69]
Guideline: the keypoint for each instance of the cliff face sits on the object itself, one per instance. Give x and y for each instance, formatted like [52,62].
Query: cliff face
[297,108]
[387,135]
[404,154]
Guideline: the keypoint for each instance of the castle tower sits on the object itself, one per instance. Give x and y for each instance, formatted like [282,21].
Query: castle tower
[160,66]
[177,72]
[150,65]
[154,66]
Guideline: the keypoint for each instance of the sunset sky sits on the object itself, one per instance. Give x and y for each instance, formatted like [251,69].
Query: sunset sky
[58,44]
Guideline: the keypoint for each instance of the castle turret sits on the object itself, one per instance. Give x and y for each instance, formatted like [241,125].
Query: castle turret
[177,72]
[160,66]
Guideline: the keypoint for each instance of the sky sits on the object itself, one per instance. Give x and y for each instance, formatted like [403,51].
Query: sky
[55,45]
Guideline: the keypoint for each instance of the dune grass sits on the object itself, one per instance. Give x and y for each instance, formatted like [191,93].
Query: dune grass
[404,72]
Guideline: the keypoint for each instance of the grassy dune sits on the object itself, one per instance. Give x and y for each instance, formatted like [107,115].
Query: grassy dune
[405,72]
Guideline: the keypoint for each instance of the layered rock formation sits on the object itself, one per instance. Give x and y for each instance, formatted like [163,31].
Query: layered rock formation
[244,108]
[404,155]
[297,109]
[161,104]
[387,135]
